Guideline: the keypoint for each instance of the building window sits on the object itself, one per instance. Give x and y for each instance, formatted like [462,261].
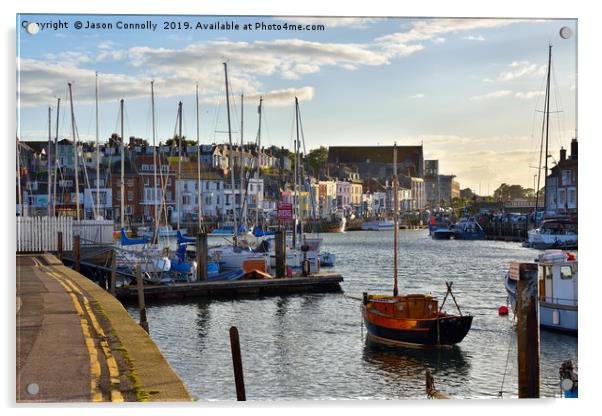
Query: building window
[561,198]
[572,198]
[130,196]
[146,182]
[567,177]
[168,195]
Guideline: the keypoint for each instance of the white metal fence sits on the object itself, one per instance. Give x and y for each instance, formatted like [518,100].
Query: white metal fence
[40,233]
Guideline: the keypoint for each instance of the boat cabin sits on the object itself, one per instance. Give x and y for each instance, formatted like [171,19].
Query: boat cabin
[417,306]
[558,277]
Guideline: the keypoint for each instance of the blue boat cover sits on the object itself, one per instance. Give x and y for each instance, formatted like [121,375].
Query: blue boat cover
[182,239]
[125,241]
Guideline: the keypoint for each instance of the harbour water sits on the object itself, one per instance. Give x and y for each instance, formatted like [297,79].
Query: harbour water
[313,346]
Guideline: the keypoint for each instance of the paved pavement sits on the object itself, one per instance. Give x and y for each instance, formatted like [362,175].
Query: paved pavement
[76,343]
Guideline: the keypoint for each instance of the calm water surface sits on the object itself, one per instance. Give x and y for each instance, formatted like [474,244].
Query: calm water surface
[313,346]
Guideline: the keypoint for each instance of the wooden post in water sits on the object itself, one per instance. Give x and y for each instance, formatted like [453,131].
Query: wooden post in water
[141,305]
[280,251]
[76,252]
[239,379]
[59,236]
[113,271]
[202,258]
[527,312]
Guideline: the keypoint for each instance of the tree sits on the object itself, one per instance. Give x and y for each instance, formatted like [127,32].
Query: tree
[506,192]
[317,160]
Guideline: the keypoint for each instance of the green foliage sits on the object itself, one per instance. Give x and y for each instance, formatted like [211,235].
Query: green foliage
[317,160]
[507,192]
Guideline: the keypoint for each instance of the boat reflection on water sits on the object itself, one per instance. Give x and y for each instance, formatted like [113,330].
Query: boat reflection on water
[406,367]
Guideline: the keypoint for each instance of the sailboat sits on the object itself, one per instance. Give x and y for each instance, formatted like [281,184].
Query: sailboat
[414,320]
[556,233]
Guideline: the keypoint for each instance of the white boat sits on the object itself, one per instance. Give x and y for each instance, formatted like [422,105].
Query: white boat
[149,261]
[558,290]
[231,257]
[164,231]
[378,225]
[553,233]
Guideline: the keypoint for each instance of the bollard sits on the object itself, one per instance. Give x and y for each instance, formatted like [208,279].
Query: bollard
[280,251]
[113,272]
[237,365]
[76,252]
[202,258]
[527,313]
[59,237]
[141,305]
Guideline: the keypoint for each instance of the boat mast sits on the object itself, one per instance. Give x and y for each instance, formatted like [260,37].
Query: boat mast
[258,162]
[122,188]
[298,172]
[230,156]
[242,171]
[178,181]
[546,123]
[156,233]
[97,157]
[198,157]
[395,220]
[75,155]
[56,150]
[48,156]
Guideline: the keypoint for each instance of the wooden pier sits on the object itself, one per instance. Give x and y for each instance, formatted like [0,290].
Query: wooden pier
[321,282]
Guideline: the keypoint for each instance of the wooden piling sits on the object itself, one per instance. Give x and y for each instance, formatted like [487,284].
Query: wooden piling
[59,236]
[202,257]
[113,272]
[141,305]
[76,252]
[237,365]
[527,313]
[280,251]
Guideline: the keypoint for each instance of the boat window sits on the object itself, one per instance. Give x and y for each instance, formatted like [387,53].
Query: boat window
[566,272]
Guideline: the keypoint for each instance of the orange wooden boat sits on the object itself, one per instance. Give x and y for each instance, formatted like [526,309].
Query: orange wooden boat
[411,320]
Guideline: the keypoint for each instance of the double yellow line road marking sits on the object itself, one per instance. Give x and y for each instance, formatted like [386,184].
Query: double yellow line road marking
[95,367]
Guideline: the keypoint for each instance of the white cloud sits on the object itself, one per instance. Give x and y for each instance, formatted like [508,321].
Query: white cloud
[419,95]
[529,94]
[479,38]
[284,97]
[433,30]
[521,69]
[494,94]
[106,45]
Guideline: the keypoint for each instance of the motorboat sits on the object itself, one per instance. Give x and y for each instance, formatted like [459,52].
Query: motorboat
[554,233]
[558,289]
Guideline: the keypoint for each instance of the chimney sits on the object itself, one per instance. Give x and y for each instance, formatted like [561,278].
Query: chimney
[574,149]
[562,154]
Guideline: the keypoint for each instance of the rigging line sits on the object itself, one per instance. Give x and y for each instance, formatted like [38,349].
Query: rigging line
[535,111]
[81,156]
[509,349]
[559,117]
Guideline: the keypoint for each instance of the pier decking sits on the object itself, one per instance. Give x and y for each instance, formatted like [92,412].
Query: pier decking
[76,343]
[321,282]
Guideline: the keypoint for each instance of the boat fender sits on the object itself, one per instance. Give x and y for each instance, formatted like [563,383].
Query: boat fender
[365,298]
[503,310]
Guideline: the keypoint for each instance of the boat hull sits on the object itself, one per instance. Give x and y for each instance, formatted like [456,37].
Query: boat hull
[424,333]
[442,234]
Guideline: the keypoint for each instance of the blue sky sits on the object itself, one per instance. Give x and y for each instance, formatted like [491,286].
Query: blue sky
[467,89]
